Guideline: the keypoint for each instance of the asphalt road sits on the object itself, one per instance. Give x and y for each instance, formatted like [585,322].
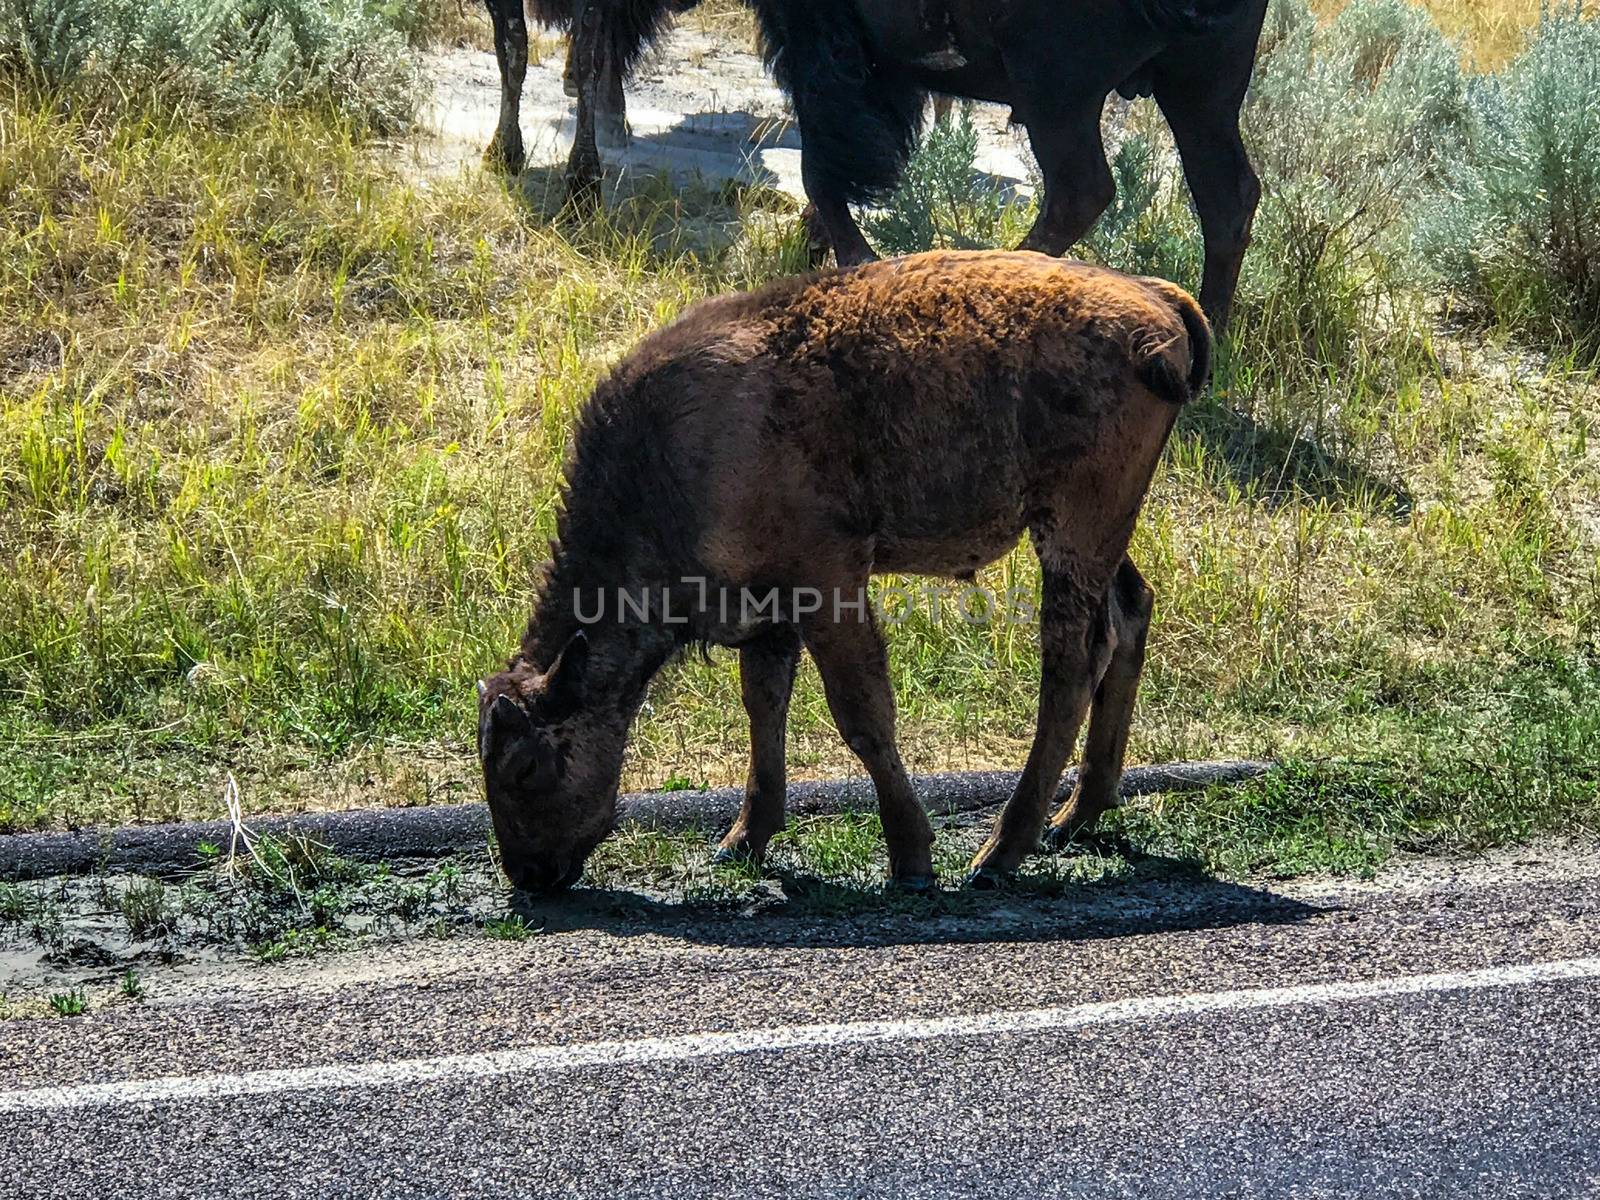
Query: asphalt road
[1437,1035]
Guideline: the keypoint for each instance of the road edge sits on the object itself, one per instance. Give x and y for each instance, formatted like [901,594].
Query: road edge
[435,831]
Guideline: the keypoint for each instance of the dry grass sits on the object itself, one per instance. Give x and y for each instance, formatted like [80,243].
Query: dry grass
[1491,31]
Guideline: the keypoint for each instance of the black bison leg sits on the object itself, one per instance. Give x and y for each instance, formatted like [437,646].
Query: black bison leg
[1077,182]
[850,657]
[1205,124]
[587,56]
[1112,712]
[611,117]
[832,214]
[1075,649]
[766,679]
[611,113]
[511,52]
[818,244]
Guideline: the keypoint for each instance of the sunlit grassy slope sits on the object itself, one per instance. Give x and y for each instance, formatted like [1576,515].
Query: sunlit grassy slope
[280,433]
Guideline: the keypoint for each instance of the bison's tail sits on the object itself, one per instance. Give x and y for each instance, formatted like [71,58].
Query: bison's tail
[552,14]
[858,111]
[633,26]
[1165,372]
[629,26]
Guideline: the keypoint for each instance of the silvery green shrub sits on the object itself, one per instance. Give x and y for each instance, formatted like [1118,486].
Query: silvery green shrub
[1517,228]
[1351,125]
[221,56]
[1150,228]
[943,200]
[48,41]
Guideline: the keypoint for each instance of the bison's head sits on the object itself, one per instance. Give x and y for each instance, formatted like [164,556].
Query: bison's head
[551,758]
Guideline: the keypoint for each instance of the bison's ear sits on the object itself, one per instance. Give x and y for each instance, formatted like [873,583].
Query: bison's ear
[564,681]
[508,718]
[508,745]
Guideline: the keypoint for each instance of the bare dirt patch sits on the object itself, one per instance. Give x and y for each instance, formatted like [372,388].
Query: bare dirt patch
[701,104]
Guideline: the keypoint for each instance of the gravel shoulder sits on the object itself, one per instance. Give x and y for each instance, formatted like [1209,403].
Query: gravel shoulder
[605,964]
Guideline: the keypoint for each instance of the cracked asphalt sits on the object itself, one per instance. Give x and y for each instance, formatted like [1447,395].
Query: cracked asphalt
[1487,1090]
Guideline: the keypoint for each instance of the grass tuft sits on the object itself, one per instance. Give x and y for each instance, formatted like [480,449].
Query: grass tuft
[73,1003]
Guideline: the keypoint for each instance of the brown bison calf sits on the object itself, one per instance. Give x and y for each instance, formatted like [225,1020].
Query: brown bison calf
[743,473]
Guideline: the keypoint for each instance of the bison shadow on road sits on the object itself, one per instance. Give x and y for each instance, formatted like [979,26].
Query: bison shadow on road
[1156,894]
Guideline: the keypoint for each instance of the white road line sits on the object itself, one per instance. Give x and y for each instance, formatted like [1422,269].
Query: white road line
[534,1059]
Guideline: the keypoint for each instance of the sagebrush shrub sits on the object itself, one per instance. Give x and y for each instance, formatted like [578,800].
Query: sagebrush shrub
[218,56]
[1150,228]
[1518,228]
[46,40]
[1350,125]
[943,200]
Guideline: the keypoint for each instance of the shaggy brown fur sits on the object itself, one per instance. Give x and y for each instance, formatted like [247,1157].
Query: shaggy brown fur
[909,416]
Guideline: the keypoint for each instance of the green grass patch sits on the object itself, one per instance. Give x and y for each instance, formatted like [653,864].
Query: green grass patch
[73,1003]
[508,929]
[131,986]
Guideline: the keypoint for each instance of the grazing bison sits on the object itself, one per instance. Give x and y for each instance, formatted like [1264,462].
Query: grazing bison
[858,73]
[738,478]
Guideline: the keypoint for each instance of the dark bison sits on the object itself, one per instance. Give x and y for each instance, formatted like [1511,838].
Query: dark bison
[859,71]
[742,474]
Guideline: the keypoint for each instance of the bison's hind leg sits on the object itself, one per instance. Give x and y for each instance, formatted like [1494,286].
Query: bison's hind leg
[1074,646]
[1078,185]
[1201,88]
[511,54]
[1129,608]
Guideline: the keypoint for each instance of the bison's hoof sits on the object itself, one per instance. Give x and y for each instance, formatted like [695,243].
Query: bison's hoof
[583,191]
[987,879]
[1073,830]
[507,156]
[1059,837]
[734,856]
[917,885]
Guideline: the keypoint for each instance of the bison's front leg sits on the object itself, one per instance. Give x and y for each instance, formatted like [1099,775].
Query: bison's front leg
[766,679]
[1075,648]
[587,55]
[854,667]
[511,53]
[1077,182]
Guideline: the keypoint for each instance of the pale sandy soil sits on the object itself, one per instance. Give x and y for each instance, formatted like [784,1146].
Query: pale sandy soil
[700,104]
